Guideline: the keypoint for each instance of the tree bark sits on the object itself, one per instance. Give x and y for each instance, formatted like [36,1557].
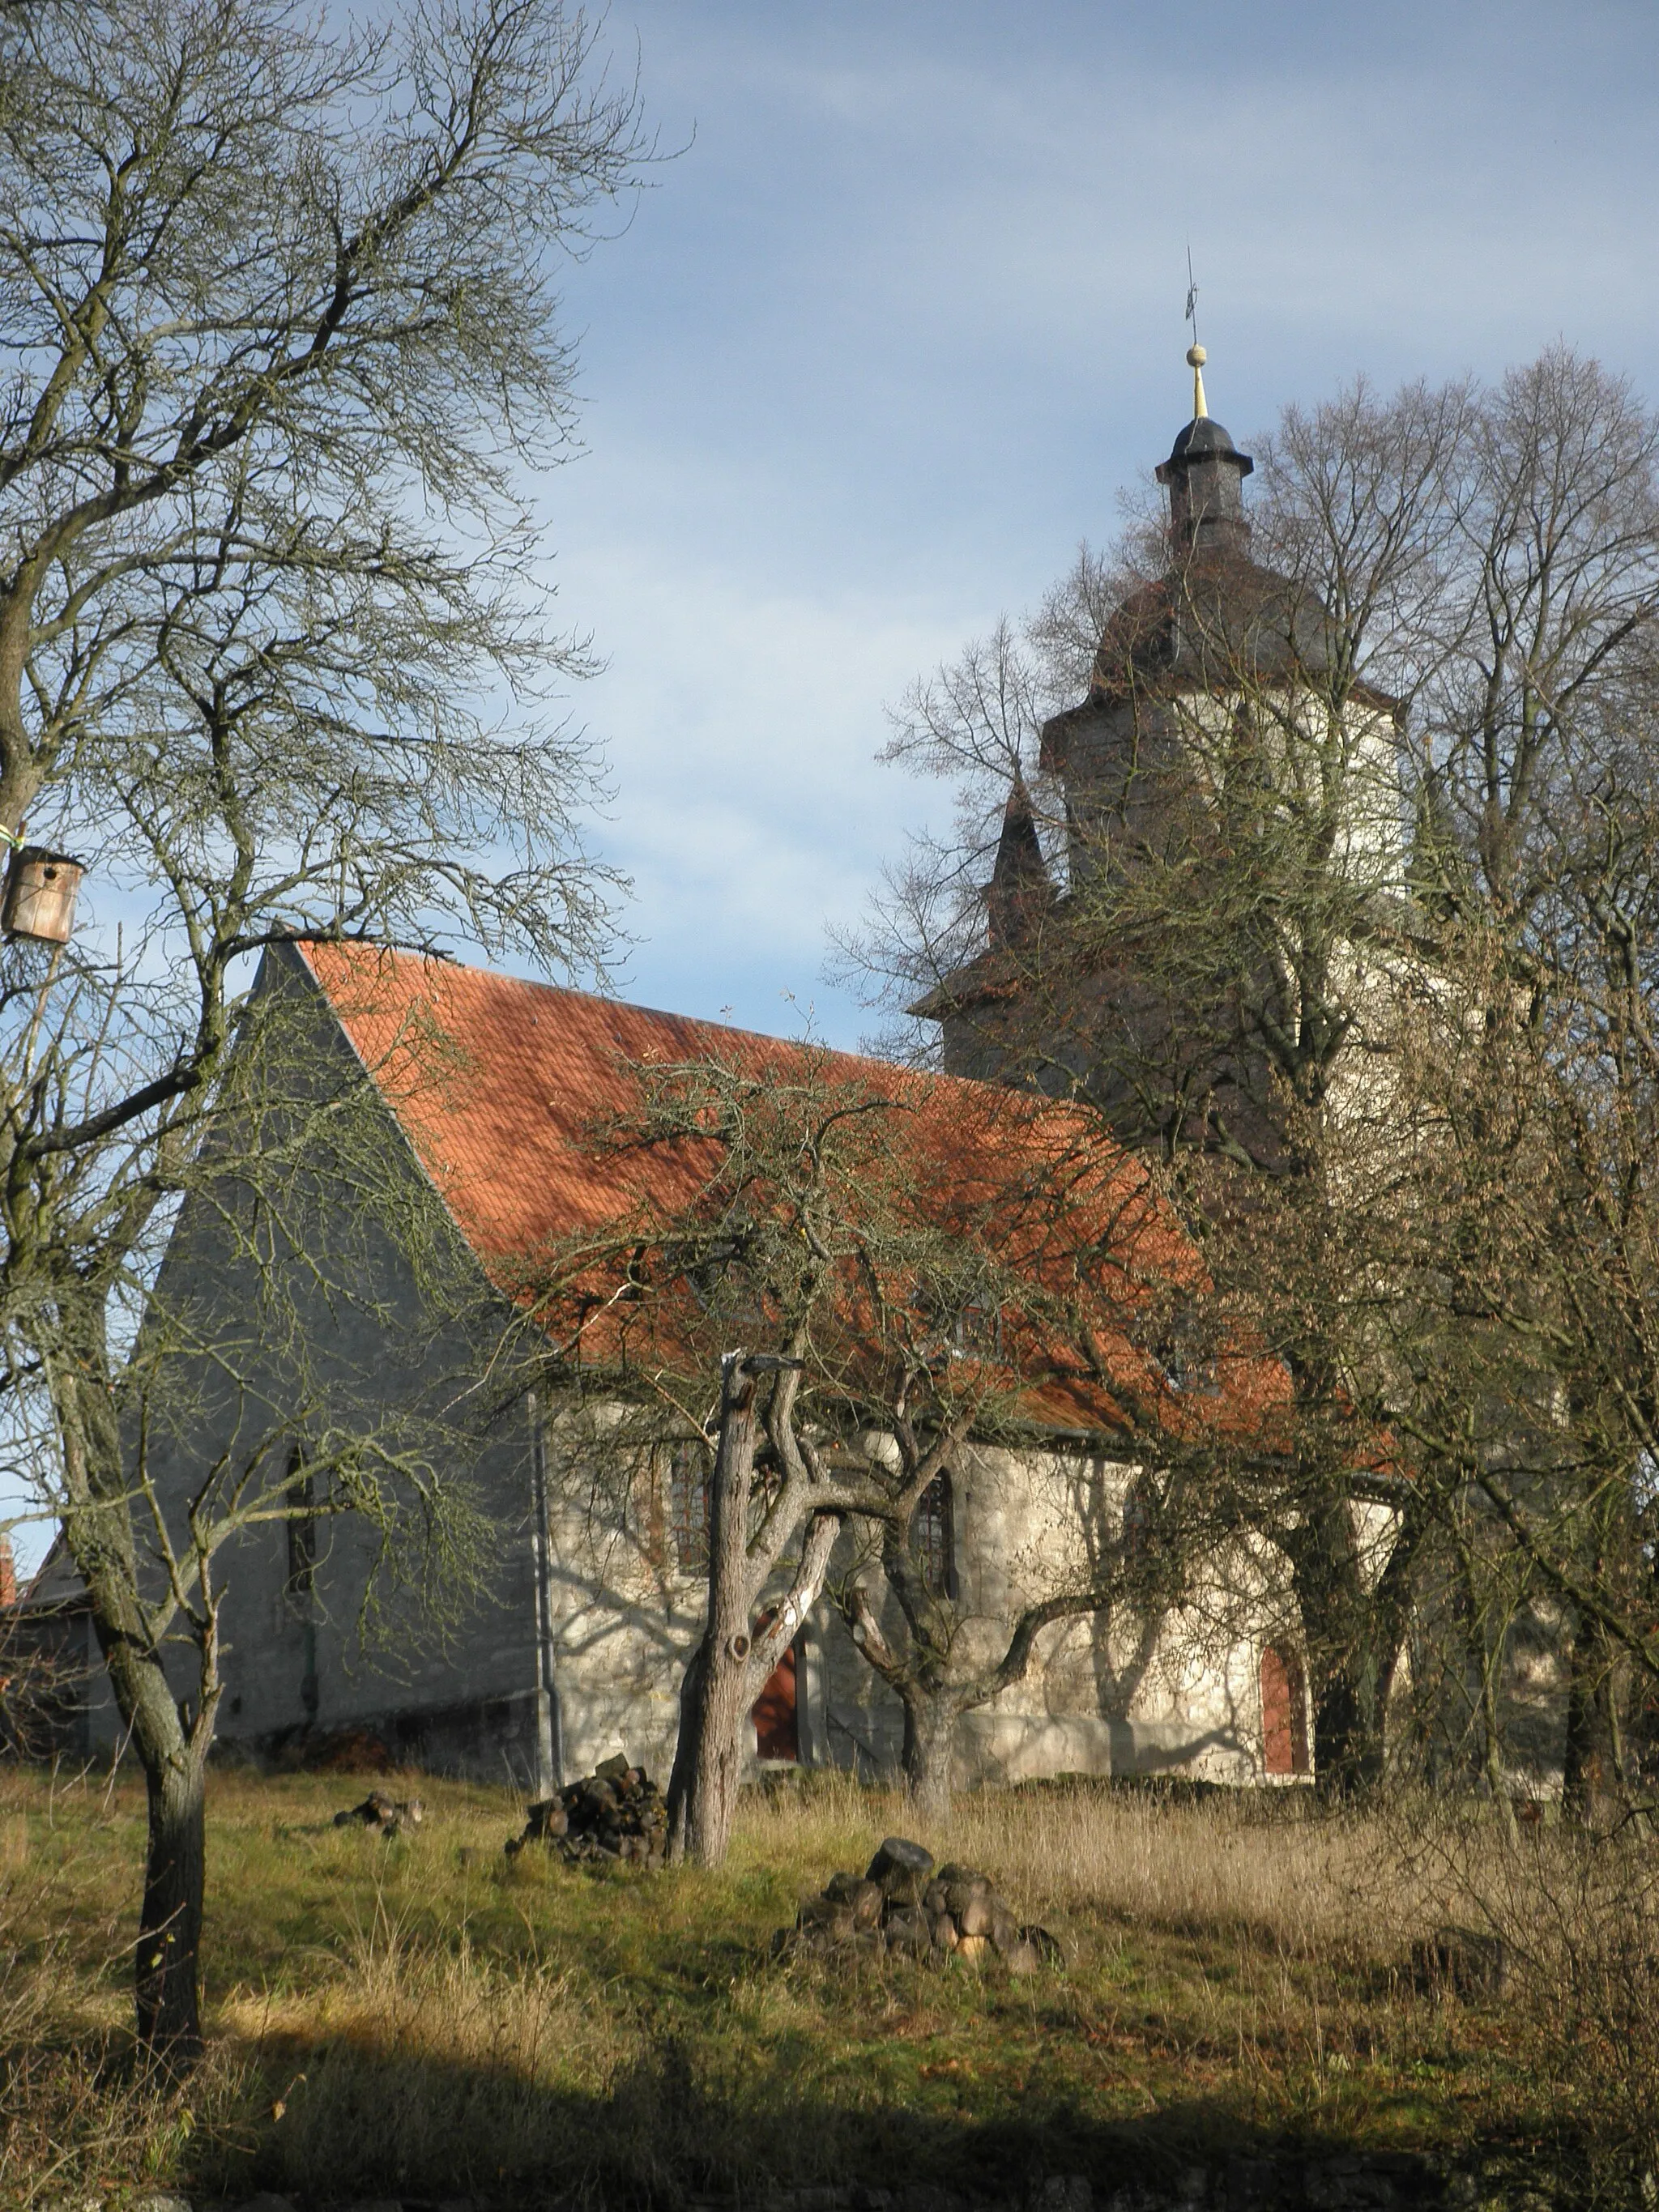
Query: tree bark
[702,1788]
[170,1921]
[1486,1649]
[1347,1738]
[167,1966]
[173,1753]
[1347,1671]
[930,1722]
[1589,1780]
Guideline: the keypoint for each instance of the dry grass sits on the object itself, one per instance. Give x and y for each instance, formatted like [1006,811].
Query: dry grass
[426,2015]
[1236,1860]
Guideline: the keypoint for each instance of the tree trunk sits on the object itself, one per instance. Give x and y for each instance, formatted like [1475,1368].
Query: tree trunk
[98,1528]
[1489,1658]
[930,1725]
[1486,1652]
[166,1963]
[1347,1737]
[1589,1781]
[170,1921]
[1347,1671]
[702,1788]
[685,1750]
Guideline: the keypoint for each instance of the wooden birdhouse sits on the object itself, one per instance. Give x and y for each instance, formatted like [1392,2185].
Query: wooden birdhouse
[41,888]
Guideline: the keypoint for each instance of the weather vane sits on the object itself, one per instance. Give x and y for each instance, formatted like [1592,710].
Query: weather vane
[1196,355]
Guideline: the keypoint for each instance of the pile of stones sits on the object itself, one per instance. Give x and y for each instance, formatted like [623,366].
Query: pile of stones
[618,1812]
[383,1815]
[902,1904]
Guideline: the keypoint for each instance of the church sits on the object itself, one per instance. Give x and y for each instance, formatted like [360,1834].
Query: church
[576,1649]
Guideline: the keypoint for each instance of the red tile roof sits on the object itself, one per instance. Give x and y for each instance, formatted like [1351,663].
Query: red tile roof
[499,1084]
[497,1081]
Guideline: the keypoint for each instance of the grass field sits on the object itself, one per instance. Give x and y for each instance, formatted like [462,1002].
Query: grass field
[423,2016]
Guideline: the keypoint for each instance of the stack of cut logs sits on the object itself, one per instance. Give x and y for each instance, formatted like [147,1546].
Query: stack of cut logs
[902,1904]
[386,1816]
[615,1813]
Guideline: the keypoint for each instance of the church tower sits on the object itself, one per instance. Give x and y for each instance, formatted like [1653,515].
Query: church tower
[1204,475]
[1213,685]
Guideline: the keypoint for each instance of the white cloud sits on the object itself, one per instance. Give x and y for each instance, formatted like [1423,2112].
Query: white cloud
[743,723]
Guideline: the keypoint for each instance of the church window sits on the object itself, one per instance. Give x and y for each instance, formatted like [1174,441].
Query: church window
[300,1579]
[775,1712]
[687,1505]
[932,1540]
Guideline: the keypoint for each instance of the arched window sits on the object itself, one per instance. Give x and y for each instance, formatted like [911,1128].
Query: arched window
[688,1508]
[933,1539]
[774,1712]
[299,1582]
[1283,1712]
[1139,1508]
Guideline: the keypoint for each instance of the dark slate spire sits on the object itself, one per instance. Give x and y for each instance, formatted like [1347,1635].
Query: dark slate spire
[1020,891]
[1204,472]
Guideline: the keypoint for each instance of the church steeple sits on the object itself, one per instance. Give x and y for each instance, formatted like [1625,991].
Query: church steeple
[1204,473]
[1021,890]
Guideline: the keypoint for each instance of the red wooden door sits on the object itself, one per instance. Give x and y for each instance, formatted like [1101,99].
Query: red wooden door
[1283,1712]
[776,1734]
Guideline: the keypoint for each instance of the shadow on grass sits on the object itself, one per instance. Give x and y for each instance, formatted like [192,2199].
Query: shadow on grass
[373,2123]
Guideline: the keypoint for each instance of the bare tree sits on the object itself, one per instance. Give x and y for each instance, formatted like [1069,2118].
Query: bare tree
[1335,894]
[1210,925]
[922,1265]
[738,1651]
[1528,1334]
[280,313]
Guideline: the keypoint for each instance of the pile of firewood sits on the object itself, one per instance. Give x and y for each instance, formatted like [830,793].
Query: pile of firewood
[902,1904]
[386,1816]
[615,1813]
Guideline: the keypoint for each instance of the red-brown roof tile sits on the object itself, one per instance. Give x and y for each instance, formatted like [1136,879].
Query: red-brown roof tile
[499,1084]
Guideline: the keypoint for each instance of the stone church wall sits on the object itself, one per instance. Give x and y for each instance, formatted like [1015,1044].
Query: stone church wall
[1105,1693]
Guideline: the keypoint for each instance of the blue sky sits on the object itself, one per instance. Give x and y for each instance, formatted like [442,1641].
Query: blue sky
[888,337]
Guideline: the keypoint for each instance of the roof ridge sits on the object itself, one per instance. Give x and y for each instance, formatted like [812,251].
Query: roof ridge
[498,979]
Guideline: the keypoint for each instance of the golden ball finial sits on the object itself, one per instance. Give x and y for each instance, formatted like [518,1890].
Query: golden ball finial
[1196,358]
